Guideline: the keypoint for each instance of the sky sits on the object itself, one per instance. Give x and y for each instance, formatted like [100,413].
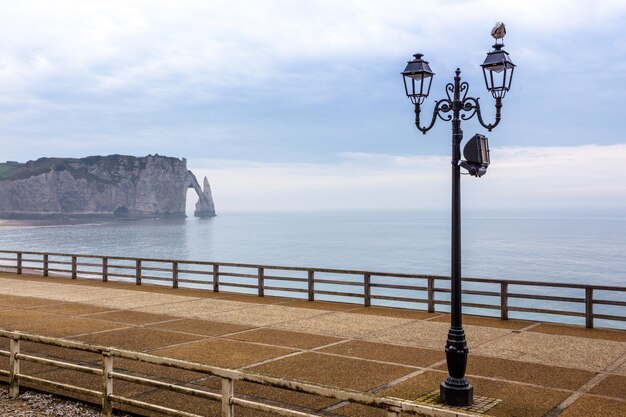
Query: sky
[299,105]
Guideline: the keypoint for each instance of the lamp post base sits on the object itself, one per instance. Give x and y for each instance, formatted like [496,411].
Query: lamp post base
[456,392]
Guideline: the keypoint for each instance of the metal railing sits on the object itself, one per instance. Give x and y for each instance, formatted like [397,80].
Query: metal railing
[429,292]
[226,396]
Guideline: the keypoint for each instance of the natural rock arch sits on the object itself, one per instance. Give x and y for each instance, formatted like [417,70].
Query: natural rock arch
[204,206]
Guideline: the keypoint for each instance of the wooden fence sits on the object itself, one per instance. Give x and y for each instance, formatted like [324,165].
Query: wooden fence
[110,400]
[483,296]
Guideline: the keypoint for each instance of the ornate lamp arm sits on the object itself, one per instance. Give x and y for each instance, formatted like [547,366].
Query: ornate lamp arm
[441,107]
[472,105]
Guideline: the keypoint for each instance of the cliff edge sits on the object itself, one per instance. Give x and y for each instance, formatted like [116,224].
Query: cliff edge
[114,185]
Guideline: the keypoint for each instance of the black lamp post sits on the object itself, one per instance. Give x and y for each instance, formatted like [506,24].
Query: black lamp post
[498,73]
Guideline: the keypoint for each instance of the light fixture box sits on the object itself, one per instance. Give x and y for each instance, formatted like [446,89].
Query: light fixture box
[476,150]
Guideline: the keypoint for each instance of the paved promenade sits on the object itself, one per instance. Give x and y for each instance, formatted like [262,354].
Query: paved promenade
[535,369]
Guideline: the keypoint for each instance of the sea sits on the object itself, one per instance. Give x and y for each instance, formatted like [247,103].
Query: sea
[585,247]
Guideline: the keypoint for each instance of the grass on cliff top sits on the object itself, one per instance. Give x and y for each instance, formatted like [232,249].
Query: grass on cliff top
[4,168]
[21,171]
[78,168]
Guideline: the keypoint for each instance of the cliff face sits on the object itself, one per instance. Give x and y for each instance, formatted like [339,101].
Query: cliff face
[98,185]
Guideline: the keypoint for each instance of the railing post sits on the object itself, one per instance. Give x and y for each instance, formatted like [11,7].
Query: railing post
[18,266]
[74,267]
[105,269]
[216,278]
[14,369]
[107,385]
[311,285]
[504,301]
[589,308]
[174,274]
[431,294]
[261,284]
[138,271]
[228,390]
[367,290]
[45,265]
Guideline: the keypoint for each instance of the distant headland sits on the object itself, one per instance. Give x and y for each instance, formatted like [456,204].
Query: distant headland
[113,186]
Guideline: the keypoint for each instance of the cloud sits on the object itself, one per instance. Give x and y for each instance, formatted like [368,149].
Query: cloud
[583,177]
[266,79]
[173,48]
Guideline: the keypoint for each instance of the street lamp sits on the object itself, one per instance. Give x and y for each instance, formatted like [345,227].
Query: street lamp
[498,73]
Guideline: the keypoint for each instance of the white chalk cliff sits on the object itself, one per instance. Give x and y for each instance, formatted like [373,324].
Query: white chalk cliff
[114,185]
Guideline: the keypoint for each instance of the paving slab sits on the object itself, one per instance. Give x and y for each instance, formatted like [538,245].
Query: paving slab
[223,353]
[90,381]
[416,386]
[53,352]
[81,294]
[162,373]
[201,327]
[16,315]
[8,285]
[195,308]
[193,405]
[562,329]
[400,313]
[531,373]
[263,392]
[487,321]
[67,326]
[19,284]
[335,371]
[131,317]
[24,302]
[267,394]
[559,350]
[265,315]
[342,324]
[320,305]
[53,325]
[73,309]
[433,335]
[285,338]
[137,300]
[52,291]
[181,290]
[611,386]
[590,406]
[517,400]
[403,355]
[137,338]
[253,298]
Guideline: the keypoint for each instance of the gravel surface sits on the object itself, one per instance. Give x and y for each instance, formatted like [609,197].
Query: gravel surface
[34,404]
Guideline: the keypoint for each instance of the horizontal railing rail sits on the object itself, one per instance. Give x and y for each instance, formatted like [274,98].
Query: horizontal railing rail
[430,292]
[109,400]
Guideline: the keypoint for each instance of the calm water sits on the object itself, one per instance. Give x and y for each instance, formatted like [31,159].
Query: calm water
[576,248]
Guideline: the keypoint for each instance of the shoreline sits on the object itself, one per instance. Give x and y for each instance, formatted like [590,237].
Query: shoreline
[26,223]
[60,222]
[57,220]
